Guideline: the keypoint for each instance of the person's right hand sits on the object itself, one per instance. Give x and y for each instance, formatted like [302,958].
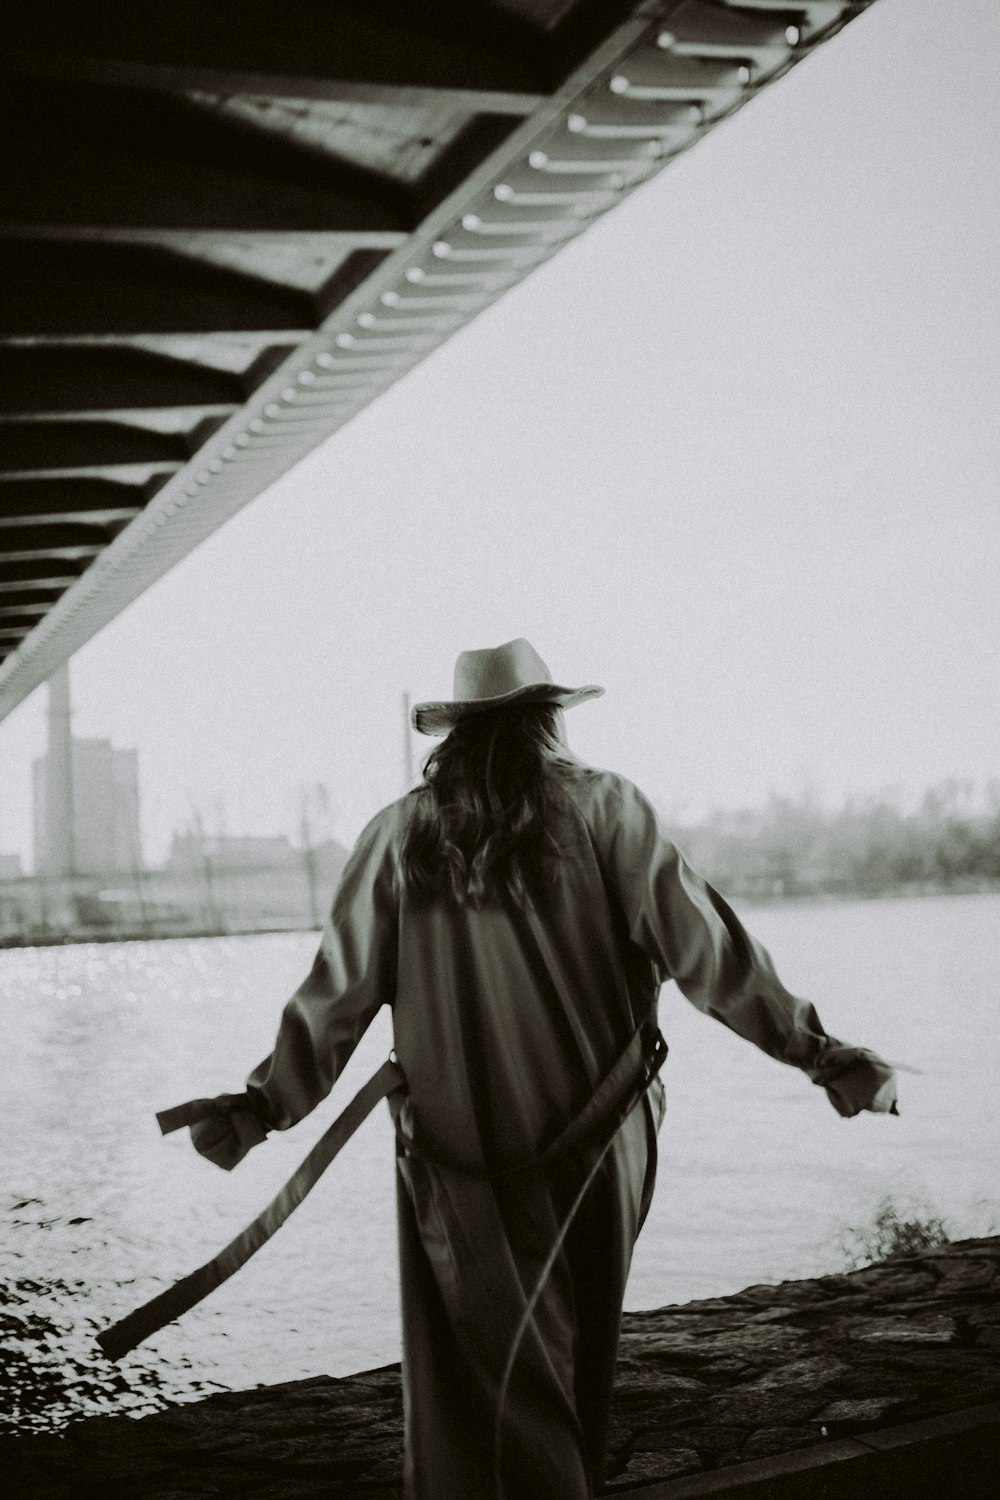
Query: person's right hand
[227,1133]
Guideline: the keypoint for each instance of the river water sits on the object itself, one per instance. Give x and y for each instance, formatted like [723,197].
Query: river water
[759,1177]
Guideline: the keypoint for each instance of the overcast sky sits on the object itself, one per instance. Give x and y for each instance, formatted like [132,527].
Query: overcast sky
[733,454]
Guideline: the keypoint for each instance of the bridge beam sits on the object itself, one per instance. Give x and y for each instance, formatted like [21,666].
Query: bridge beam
[389,44]
[79,441]
[47,287]
[64,375]
[89,153]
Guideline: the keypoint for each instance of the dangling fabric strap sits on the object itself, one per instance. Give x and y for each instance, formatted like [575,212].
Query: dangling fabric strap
[153,1315]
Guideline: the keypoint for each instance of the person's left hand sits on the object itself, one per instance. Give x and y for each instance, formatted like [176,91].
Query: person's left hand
[884,1102]
[856,1079]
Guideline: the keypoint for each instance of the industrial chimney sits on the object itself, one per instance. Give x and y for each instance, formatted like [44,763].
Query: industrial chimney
[61,855]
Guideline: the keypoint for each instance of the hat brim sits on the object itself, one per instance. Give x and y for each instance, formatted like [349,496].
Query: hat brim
[439,718]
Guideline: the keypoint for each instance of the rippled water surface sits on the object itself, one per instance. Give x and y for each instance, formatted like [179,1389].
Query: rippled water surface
[758,1175]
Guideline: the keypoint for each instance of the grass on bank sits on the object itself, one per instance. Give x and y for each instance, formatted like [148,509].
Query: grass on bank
[893,1231]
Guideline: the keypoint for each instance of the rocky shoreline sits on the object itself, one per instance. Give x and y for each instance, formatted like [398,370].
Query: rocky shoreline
[701,1386]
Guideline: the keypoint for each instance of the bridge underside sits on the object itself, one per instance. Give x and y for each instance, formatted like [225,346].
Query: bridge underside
[225,227]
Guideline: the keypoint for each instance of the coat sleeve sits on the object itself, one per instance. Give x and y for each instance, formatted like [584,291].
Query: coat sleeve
[695,938]
[353,976]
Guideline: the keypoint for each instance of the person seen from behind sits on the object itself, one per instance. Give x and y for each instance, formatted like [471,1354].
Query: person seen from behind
[519,912]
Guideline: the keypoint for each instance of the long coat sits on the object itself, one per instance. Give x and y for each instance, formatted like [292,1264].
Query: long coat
[505,1019]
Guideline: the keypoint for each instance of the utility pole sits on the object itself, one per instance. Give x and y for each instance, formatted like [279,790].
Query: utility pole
[213,917]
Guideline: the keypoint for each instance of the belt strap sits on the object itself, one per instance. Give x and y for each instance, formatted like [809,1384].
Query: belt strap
[612,1100]
[164,1308]
[190,1113]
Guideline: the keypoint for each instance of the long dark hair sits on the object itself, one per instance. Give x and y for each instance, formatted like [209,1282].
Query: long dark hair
[486,813]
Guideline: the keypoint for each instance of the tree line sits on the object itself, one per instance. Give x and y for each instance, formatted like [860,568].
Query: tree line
[868,846]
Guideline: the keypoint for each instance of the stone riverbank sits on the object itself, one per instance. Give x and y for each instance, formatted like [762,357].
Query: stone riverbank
[764,1372]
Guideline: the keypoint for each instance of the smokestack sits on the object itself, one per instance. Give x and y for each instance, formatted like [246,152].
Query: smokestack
[59,789]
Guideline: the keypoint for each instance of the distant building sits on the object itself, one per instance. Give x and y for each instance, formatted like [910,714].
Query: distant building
[86,799]
[192,851]
[105,812]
